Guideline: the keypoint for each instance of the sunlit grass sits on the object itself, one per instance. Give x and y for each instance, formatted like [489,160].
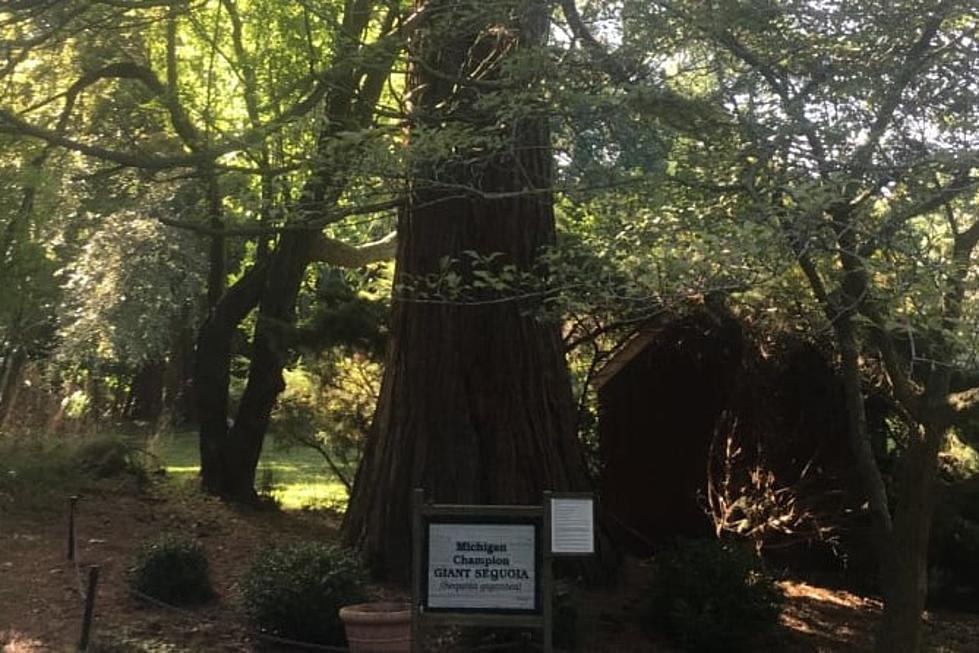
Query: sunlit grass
[295,476]
[294,496]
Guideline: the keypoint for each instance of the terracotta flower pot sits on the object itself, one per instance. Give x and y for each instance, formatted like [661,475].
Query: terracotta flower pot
[381,627]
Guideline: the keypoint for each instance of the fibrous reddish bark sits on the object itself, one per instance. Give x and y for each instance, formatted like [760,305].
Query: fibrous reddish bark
[476,403]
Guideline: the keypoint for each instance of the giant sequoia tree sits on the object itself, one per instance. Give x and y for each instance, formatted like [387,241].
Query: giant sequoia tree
[475,403]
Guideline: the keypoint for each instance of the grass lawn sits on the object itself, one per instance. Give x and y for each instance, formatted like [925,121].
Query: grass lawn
[296,476]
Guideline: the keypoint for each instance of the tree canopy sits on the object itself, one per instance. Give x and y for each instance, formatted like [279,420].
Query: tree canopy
[181,182]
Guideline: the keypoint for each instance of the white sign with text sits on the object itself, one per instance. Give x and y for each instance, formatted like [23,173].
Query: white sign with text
[482,566]
[572,525]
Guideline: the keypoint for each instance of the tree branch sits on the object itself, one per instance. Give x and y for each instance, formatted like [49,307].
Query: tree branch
[335,252]
[327,217]
[962,183]
[14,125]
[610,65]
[914,59]
[11,124]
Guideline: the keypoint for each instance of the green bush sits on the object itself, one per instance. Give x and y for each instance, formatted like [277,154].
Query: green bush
[173,569]
[297,590]
[710,596]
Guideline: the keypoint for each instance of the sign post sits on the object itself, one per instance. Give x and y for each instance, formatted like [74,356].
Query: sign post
[492,565]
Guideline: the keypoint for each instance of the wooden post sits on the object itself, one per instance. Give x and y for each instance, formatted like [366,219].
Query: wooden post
[93,581]
[72,501]
[547,582]
[417,502]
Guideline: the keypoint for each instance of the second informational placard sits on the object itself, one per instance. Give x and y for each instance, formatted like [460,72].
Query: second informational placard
[572,524]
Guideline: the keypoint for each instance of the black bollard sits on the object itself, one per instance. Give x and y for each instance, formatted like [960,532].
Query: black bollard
[72,501]
[93,581]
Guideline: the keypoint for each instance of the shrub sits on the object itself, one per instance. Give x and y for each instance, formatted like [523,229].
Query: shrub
[109,457]
[710,596]
[173,569]
[297,590]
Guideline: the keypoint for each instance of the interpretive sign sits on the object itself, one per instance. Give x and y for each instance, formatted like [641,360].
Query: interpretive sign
[485,566]
[491,565]
[572,524]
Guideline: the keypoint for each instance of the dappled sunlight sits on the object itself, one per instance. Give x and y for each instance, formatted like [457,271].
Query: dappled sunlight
[16,642]
[832,619]
[843,599]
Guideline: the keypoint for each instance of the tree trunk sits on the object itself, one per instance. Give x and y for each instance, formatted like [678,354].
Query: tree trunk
[476,403]
[212,374]
[10,380]
[270,350]
[905,585]
[178,396]
[286,268]
[905,582]
[145,400]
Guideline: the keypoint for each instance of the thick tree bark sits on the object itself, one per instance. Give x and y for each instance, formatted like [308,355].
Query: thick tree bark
[476,403]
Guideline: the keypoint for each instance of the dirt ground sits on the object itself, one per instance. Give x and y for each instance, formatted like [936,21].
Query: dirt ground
[41,610]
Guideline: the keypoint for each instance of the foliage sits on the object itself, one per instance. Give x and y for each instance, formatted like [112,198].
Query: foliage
[173,568]
[110,457]
[38,470]
[815,161]
[328,408]
[958,460]
[134,283]
[96,276]
[709,595]
[296,590]
[953,575]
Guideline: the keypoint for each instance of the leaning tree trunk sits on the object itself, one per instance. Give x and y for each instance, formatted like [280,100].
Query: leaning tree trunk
[212,374]
[270,349]
[476,403]
[241,445]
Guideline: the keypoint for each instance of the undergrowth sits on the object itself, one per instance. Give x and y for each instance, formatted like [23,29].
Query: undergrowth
[37,470]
